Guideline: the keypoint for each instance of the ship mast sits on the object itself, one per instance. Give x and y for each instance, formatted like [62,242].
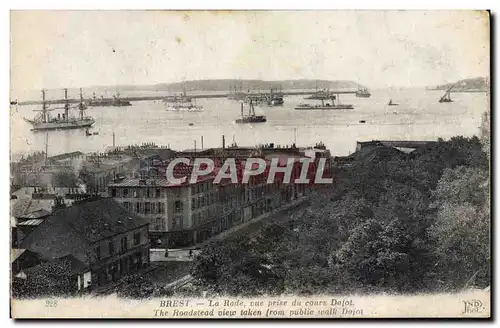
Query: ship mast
[44,108]
[66,105]
[251,110]
[81,105]
[46,147]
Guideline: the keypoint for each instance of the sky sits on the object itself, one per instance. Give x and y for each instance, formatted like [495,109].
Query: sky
[56,49]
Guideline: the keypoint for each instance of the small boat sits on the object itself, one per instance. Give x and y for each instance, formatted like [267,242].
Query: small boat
[191,124]
[95,133]
[362,121]
[87,133]
[392,104]
[251,117]
[446,98]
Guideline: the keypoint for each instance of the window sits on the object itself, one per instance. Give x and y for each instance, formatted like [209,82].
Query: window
[137,238]
[178,206]
[113,192]
[124,244]
[97,251]
[147,207]
[111,248]
[137,207]
[161,208]
[126,205]
[148,195]
[158,193]
[158,224]
[125,193]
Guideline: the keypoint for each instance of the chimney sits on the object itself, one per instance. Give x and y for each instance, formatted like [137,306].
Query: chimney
[223,142]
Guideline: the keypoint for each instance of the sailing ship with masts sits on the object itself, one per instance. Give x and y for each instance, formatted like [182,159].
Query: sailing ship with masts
[45,121]
[332,103]
[237,94]
[251,117]
[446,98]
[116,101]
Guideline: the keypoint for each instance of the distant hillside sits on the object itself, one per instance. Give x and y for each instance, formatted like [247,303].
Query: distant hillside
[467,85]
[244,85]
[200,86]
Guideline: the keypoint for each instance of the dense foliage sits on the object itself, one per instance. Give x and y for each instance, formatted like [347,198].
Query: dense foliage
[394,222]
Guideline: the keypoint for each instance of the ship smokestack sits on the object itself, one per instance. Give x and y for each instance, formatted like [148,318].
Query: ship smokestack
[223,142]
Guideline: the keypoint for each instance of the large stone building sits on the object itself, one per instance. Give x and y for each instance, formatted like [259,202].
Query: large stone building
[185,214]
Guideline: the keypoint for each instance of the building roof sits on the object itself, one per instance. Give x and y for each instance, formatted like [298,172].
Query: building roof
[27,208]
[153,183]
[66,155]
[66,265]
[32,222]
[15,253]
[72,230]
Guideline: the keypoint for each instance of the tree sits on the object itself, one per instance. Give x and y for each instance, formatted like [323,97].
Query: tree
[462,226]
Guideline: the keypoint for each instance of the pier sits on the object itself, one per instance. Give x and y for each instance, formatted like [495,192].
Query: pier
[151,98]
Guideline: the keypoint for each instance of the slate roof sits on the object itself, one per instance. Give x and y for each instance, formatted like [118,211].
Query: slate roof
[67,265]
[27,208]
[72,230]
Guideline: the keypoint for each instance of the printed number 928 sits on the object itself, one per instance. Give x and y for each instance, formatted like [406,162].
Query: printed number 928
[51,303]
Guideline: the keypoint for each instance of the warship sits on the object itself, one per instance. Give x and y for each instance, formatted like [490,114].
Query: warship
[251,117]
[116,101]
[44,121]
[275,98]
[333,105]
[183,98]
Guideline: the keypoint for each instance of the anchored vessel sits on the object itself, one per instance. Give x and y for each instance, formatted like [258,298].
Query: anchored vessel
[251,117]
[275,98]
[183,98]
[183,106]
[44,121]
[237,94]
[363,93]
[320,95]
[116,101]
[334,104]
[446,98]
[392,103]
[257,98]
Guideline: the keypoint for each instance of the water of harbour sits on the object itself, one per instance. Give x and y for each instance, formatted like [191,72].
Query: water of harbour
[419,116]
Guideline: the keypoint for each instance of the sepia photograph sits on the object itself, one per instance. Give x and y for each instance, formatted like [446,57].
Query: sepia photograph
[271,164]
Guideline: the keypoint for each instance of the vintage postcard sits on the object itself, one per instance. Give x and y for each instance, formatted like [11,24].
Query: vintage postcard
[250,164]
